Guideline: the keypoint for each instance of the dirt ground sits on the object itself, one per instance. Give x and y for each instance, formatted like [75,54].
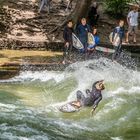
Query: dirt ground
[20,21]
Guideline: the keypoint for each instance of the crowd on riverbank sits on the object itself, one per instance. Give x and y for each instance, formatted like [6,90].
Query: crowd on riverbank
[118,36]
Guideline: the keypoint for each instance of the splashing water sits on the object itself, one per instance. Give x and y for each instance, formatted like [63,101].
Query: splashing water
[29,104]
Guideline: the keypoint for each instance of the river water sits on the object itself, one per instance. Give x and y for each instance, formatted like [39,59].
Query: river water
[29,104]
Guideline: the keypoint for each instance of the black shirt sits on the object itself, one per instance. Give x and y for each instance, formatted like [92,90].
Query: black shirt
[67,34]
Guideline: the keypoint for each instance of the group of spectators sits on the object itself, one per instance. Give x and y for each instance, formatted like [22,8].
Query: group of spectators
[83,28]
[118,35]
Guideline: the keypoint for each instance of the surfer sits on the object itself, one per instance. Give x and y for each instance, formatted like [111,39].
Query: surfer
[117,37]
[67,35]
[91,47]
[92,98]
[82,32]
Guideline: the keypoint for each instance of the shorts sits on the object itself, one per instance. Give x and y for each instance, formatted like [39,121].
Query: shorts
[133,29]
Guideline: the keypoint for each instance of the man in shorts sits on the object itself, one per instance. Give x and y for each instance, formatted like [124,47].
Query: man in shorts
[132,20]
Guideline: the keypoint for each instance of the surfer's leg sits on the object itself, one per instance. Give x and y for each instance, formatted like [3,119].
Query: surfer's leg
[65,53]
[70,51]
[80,97]
[115,53]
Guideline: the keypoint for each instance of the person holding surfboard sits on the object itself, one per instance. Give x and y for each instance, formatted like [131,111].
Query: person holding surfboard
[82,33]
[92,98]
[93,40]
[67,35]
[116,39]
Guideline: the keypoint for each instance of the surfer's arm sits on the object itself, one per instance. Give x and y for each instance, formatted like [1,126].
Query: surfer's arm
[128,18]
[88,92]
[96,102]
[95,105]
[114,32]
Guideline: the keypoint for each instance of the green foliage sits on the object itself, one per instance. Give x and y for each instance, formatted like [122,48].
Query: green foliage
[116,7]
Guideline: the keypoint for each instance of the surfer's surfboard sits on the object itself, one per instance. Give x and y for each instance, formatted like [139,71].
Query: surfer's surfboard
[116,40]
[103,49]
[91,40]
[76,42]
[69,108]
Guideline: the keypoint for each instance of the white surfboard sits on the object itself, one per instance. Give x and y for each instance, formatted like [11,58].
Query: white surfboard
[104,49]
[91,40]
[69,108]
[76,42]
[116,40]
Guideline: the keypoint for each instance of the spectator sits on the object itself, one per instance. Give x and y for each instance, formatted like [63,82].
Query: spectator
[82,32]
[117,37]
[44,3]
[96,39]
[93,15]
[132,20]
[67,35]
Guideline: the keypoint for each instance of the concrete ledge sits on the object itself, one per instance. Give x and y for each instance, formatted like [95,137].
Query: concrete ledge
[54,46]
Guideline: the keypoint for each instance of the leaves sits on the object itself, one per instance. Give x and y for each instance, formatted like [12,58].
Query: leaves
[116,7]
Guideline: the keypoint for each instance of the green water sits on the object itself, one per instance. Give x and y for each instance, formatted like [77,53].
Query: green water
[29,104]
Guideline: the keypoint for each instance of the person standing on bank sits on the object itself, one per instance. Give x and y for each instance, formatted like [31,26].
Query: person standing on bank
[116,40]
[44,3]
[67,35]
[132,20]
[82,33]
[93,14]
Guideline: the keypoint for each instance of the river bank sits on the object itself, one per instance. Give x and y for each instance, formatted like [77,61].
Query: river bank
[14,61]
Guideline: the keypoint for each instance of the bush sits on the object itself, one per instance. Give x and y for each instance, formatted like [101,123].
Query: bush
[116,8]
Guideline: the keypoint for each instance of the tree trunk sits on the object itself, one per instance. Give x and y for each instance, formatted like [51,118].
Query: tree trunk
[81,10]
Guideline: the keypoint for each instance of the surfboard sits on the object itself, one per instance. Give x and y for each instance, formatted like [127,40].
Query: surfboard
[104,49]
[116,40]
[76,42]
[69,107]
[91,40]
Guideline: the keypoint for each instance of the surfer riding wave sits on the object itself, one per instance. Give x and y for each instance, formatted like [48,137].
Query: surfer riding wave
[92,97]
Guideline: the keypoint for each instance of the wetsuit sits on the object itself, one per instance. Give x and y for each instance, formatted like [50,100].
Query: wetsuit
[82,32]
[67,35]
[92,99]
[120,31]
[93,16]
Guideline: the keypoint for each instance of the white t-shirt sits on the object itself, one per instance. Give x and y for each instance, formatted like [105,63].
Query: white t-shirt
[133,18]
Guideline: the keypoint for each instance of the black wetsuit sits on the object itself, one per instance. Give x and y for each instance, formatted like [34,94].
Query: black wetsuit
[67,35]
[92,99]
[93,16]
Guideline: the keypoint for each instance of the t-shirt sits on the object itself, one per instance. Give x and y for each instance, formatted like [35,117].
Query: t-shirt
[133,18]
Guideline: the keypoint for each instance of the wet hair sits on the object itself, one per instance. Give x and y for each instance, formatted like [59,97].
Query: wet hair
[83,18]
[102,86]
[69,21]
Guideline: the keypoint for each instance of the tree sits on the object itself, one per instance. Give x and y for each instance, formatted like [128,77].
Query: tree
[116,7]
[80,10]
